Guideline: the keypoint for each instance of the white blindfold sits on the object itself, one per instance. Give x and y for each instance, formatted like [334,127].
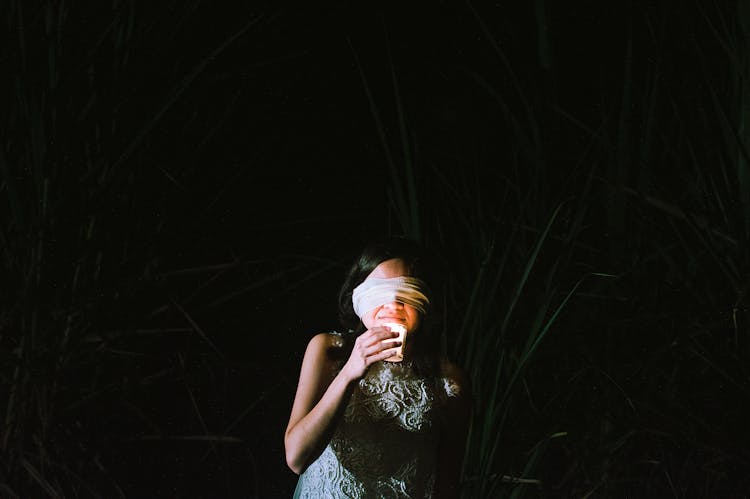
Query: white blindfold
[374,292]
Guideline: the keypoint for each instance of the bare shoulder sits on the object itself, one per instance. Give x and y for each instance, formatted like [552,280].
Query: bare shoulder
[319,367]
[456,380]
[327,349]
[452,370]
[326,342]
[323,341]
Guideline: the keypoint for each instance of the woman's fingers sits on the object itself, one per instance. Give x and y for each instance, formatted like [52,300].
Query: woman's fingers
[376,344]
[380,347]
[376,340]
[389,352]
[376,335]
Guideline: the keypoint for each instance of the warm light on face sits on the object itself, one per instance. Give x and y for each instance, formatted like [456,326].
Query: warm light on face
[392,312]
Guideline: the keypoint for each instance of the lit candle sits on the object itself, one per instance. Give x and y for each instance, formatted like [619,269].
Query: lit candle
[398,355]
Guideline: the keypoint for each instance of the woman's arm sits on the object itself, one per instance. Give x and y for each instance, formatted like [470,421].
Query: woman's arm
[322,394]
[453,435]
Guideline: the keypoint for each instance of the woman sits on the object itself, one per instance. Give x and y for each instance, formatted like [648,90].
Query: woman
[364,424]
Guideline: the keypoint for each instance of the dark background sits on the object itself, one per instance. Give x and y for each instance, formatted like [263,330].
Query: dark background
[185,183]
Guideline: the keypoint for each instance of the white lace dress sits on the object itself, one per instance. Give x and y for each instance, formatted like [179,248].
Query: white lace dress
[386,443]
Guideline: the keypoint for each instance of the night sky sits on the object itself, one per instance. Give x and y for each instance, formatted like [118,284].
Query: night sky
[235,158]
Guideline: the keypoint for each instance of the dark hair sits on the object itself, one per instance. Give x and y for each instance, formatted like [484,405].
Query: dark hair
[420,262]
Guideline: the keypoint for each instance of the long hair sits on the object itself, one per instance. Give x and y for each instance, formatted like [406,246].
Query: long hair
[420,263]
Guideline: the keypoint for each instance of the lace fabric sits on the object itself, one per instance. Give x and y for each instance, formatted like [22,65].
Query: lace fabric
[385,445]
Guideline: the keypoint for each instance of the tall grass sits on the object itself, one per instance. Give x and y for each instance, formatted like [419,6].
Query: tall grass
[617,296]
[59,263]
[503,296]
[84,308]
[598,299]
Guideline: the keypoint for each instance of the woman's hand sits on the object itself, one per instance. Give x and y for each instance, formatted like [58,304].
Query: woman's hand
[369,348]
[322,392]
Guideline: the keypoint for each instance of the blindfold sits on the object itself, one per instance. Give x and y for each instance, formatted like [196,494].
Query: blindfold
[375,292]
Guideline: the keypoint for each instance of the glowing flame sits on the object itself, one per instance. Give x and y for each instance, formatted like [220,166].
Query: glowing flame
[398,356]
